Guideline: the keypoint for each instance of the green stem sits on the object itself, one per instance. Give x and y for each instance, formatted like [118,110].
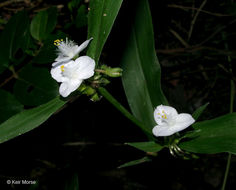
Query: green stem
[99,71]
[124,111]
[226,171]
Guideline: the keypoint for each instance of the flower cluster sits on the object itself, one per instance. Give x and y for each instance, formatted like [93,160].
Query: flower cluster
[68,68]
[169,121]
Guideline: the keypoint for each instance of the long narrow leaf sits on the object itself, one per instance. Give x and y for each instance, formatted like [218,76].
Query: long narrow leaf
[213,136]
[43,23]
[101,17]
[149,146]
[199,111]
[141,70]
[28,119]
[135,162]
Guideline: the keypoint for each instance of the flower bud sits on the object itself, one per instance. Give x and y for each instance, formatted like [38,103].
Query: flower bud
[112,72]
[97,76]
[82,88]
[89,91]
[95,98]
[104,81]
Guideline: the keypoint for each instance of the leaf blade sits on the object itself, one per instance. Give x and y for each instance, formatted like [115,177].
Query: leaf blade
[101,18]
[197,113]
[43,23]
[135,162]
[213,136]
[141,70]
[149,146]
[28,119]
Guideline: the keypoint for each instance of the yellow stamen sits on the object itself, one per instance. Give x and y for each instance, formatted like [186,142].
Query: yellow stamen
[164,116]
[58,42]
[62,68]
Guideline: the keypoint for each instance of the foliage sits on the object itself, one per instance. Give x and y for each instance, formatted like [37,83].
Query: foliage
[29,96]
[141,76]
[34,85]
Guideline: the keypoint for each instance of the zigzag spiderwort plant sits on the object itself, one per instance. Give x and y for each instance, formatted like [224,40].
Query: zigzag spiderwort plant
[84,74]
[169,122]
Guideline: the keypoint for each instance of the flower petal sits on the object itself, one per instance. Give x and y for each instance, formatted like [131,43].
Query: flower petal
[162,130]
[56,73]
[61,60]
[170,111]
[71,64]
[86,66]
[183,121]
[67,87]
[83,46]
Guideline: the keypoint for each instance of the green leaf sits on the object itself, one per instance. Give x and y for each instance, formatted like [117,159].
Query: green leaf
[141,69]
[213,136]
[14,36]
[199,111]
[35,86]
[135,162]
[8,105]
[28,119]
[150,146]
[43,23]
[101,17]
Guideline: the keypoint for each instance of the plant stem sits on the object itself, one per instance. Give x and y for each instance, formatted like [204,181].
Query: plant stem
[226,171]
[124,111]
[99,71]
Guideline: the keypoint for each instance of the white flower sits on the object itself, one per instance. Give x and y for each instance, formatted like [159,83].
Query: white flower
[169,121]
[67,50]
[72,74]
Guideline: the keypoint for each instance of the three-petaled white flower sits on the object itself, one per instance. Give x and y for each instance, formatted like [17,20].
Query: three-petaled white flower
[169,121]
[68,71]
[72,74]
[67,50]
